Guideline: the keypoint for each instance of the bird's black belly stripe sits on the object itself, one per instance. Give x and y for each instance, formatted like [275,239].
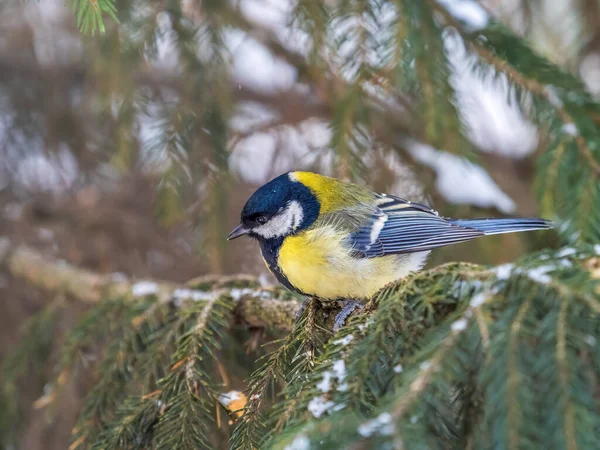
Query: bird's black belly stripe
[270,251]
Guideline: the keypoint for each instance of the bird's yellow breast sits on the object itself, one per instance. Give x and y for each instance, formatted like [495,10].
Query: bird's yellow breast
[318,263]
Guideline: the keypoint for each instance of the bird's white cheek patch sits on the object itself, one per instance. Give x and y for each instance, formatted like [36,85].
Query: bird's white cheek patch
[283,223]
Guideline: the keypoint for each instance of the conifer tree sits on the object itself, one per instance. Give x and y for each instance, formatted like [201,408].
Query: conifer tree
[460,355]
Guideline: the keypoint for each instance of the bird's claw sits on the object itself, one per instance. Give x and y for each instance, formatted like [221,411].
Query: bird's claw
[340,318]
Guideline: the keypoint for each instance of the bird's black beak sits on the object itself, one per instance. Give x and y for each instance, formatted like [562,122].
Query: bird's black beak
[237,232]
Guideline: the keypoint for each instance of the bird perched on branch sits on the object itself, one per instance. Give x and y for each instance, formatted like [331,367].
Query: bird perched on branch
[326,238]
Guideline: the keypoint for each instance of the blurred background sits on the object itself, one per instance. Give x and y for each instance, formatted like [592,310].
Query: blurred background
[133,151]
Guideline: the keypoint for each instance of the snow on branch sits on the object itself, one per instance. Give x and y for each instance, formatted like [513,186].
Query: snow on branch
[257,306]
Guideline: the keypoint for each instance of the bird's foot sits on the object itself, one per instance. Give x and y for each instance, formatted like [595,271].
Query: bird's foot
[340,318]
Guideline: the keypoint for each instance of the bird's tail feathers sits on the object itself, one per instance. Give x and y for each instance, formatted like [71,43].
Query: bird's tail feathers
[505,225]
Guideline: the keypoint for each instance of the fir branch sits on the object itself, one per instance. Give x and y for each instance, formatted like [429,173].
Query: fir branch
[90,14]
[256,306]
[368,375]
[443,125]
[559,102]
[188,390]
[154,363]
[447,304]
[538,76]
[534,86]
[561,356]
[294,358]
[135,418]
[30,357]
[134,424]
[252,427]
[117,369]
[512,366]
[313,18]
[218,175]
[301,365]
[97,325]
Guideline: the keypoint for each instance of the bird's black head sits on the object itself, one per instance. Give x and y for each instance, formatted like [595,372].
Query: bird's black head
[280,208]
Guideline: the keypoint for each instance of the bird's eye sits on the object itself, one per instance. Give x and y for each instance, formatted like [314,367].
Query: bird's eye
[261,220]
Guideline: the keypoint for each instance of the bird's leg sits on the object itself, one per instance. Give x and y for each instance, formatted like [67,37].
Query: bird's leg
[340,318]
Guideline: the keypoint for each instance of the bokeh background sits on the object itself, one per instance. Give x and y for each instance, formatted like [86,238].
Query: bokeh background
[133,151]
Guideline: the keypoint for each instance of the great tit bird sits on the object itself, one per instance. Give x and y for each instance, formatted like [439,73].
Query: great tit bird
[325,238]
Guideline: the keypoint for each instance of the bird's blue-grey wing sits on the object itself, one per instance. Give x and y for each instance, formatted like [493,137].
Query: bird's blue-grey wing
[399,226]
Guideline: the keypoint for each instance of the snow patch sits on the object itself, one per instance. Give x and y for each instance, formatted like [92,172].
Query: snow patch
[460,181]
[467,11]
[300,442]
[459,325]
[503,271]
[367,324]
[540,274]
[261,155]
[255,66]
[339,368]
[489,106]
[479,299]
[237,293]
[565,263]
[143,288]
[344,341]
[319,406]
[191,294]
[54,173]
[338,373]
[325,384]
[382,423]
[570,128]
[590,340]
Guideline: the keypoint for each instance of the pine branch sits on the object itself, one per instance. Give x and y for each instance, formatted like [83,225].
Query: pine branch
[560,104]
[508,348]
[443,125]
[301,365]
[30,358]
[90,14]
[117,370]
[188,391]
[349,375]
[452,328]
[134,424]
[95,328]
[291,362]
[255,306]
[544,91]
